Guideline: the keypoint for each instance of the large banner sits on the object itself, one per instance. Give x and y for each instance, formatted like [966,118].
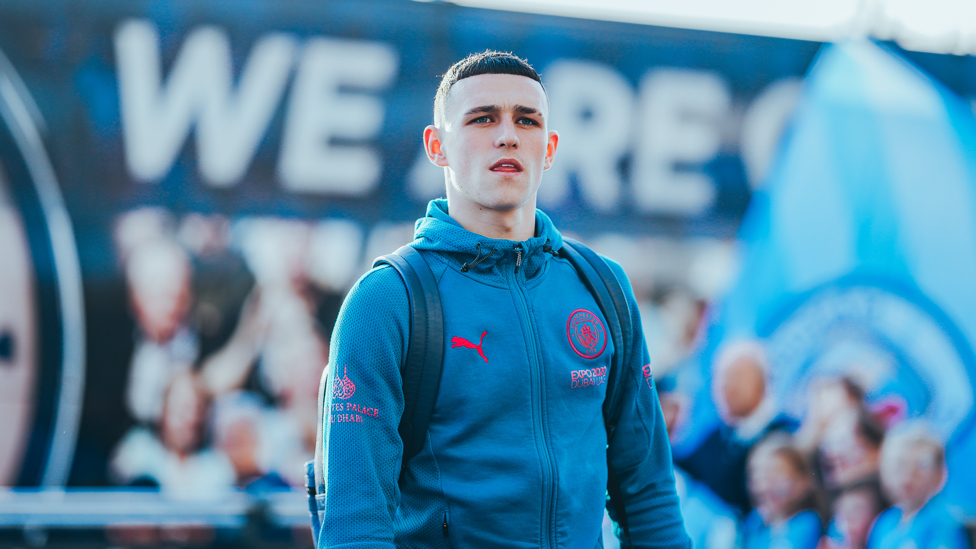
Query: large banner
[859,255]
[189,188]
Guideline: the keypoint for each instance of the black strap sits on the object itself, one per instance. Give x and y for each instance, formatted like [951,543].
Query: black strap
[421,371]
[609,294]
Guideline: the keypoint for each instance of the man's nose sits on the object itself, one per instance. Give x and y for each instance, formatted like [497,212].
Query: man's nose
[507,136]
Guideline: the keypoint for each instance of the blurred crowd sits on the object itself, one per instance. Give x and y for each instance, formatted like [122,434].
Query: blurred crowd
[229,347]
[232,327]
[850,474]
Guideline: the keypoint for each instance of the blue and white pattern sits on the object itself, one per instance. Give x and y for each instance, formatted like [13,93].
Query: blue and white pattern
[860,251]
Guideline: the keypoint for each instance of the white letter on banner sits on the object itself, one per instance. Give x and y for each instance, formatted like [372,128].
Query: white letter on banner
[321,112]
[591,109]
[682,113]
[156,119]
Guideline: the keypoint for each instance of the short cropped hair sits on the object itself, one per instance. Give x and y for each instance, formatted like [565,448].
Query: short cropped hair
[486,62]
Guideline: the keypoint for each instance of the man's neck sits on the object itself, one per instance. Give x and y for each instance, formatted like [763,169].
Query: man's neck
[517,224]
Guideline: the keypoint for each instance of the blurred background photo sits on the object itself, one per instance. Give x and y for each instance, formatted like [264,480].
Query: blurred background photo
[189,188]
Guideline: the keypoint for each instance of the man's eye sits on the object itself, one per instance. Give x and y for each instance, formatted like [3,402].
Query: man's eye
[481,120]
[527,122]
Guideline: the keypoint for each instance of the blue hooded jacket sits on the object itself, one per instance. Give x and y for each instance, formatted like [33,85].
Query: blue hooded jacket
[516,449]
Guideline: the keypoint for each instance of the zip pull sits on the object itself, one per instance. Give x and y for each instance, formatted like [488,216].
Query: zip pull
[518,257]
[446,525]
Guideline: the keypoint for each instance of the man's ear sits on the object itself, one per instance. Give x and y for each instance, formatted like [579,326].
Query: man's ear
[551,149]
[434,147]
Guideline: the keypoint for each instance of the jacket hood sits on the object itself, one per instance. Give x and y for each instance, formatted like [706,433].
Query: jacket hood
[438,231]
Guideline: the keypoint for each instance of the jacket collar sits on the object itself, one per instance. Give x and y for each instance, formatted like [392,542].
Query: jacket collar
[438,231]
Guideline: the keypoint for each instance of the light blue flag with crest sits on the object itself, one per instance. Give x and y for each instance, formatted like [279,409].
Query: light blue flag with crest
[859,254]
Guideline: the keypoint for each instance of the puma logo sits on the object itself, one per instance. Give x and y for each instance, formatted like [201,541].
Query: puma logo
[461,342]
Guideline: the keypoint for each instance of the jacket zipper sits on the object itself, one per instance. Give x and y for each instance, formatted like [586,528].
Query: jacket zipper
[536,360]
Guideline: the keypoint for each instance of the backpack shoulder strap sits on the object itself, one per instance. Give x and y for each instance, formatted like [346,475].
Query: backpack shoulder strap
[606,288]
[600,279]
[421,371]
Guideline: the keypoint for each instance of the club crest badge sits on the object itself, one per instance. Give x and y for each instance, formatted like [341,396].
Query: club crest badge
[586,334]
[343,387]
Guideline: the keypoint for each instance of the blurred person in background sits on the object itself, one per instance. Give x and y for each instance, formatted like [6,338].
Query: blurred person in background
[277,344]
[855,509]
[913,472]
[748,414]
[222,280]
[829,398]
[176,459]
[158,273]
[711,523]
[780,483]
[235,332]
[241,434]
[851,449]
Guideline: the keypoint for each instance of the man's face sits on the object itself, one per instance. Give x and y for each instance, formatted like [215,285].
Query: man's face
[494,141]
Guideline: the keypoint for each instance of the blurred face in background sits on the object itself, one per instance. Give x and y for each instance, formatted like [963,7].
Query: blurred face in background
[831,399]
[740,388]
[912,473]
[184,413]
[855,511]
[777,486]
[241,444]
[159,288]
[849,456]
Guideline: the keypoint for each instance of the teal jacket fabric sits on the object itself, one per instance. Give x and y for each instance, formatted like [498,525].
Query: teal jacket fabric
[516,449]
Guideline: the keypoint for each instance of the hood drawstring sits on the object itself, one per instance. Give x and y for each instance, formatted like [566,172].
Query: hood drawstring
[478,259]
[547,248]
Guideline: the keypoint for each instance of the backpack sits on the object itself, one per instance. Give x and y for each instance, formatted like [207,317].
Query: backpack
[421,371]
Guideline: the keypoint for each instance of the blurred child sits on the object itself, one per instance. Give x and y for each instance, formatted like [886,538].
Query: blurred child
[829,398]
[855,509]
[913,472]
[781,486]
[851,449]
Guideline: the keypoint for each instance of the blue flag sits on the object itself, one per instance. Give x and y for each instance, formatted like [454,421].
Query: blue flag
[859,255]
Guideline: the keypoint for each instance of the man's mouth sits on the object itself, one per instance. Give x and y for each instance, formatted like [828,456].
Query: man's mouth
[506,165]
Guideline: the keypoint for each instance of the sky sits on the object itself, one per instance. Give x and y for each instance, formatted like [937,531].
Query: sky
[937,26]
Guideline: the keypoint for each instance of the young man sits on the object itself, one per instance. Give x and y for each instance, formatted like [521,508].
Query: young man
[516,449]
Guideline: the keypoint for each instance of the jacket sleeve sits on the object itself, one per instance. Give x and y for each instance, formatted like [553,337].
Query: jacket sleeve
[364,401]
[640,451]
